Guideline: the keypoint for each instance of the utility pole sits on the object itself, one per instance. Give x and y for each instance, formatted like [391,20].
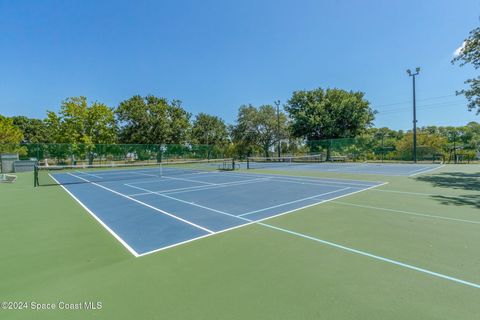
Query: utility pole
[277,103]
[409,72]
[383,146]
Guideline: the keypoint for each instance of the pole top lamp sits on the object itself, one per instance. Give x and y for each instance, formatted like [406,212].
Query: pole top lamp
[411,74]
[417,71]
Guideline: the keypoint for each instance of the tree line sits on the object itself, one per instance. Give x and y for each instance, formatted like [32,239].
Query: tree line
[310,115]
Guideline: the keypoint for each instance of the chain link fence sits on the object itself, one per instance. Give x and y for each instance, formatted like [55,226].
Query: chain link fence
[78,153]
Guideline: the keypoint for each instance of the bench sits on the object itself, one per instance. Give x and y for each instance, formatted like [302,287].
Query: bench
[338,158]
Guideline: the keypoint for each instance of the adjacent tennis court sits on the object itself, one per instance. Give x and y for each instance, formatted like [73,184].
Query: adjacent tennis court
[317,163]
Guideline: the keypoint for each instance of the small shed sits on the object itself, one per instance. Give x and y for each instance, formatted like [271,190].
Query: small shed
[7,161]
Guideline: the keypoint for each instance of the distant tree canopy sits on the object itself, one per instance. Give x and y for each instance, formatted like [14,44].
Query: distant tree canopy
[78,122]
[257,128]
[34,130]
[152,120]
[428,145]
[329,114]
[384,133]
[209,130]
[470,54]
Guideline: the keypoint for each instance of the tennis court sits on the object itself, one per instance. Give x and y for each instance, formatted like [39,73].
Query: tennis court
[149,210]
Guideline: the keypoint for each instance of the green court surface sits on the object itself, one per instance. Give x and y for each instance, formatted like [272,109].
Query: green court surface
[417,242]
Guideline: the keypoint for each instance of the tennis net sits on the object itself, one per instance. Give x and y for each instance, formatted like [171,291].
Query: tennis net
[271,162]
[73,174]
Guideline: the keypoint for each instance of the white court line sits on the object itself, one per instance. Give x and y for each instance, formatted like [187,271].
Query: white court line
[321,184]
[406,192]
[189,180]
[171,191]
[339,169]
[116,236]
[143,174]
[144,204]
[407,212]
[291,202]
[370,255]
[420,169]
[89,174]
[180,243]
[220,186]
[425,171]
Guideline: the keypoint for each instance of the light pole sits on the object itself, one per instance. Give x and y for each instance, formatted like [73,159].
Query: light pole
[409,72]
[277,103]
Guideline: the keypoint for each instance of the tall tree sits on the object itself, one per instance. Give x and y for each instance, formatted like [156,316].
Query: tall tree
[329,114]
[9,133]
[209,130]
[10,136]
[80,126]
[257,128]
[152,120]
[470,54]
[473,133]
[78,122]
[179,123]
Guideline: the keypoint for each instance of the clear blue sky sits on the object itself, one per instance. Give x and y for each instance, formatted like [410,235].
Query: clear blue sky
[217,55]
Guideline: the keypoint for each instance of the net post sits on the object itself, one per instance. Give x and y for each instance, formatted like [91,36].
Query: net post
[35,175]
[248,163]
[233,163]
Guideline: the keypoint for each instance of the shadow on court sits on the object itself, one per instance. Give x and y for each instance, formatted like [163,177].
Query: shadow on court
[455,180]
[464,200]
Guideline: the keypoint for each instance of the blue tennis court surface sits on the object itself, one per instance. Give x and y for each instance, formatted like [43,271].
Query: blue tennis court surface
[158,212]
[388,169]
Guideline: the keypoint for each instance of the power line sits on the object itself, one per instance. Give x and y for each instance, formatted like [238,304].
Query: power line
[425,99]
[424,106]
[420,108]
